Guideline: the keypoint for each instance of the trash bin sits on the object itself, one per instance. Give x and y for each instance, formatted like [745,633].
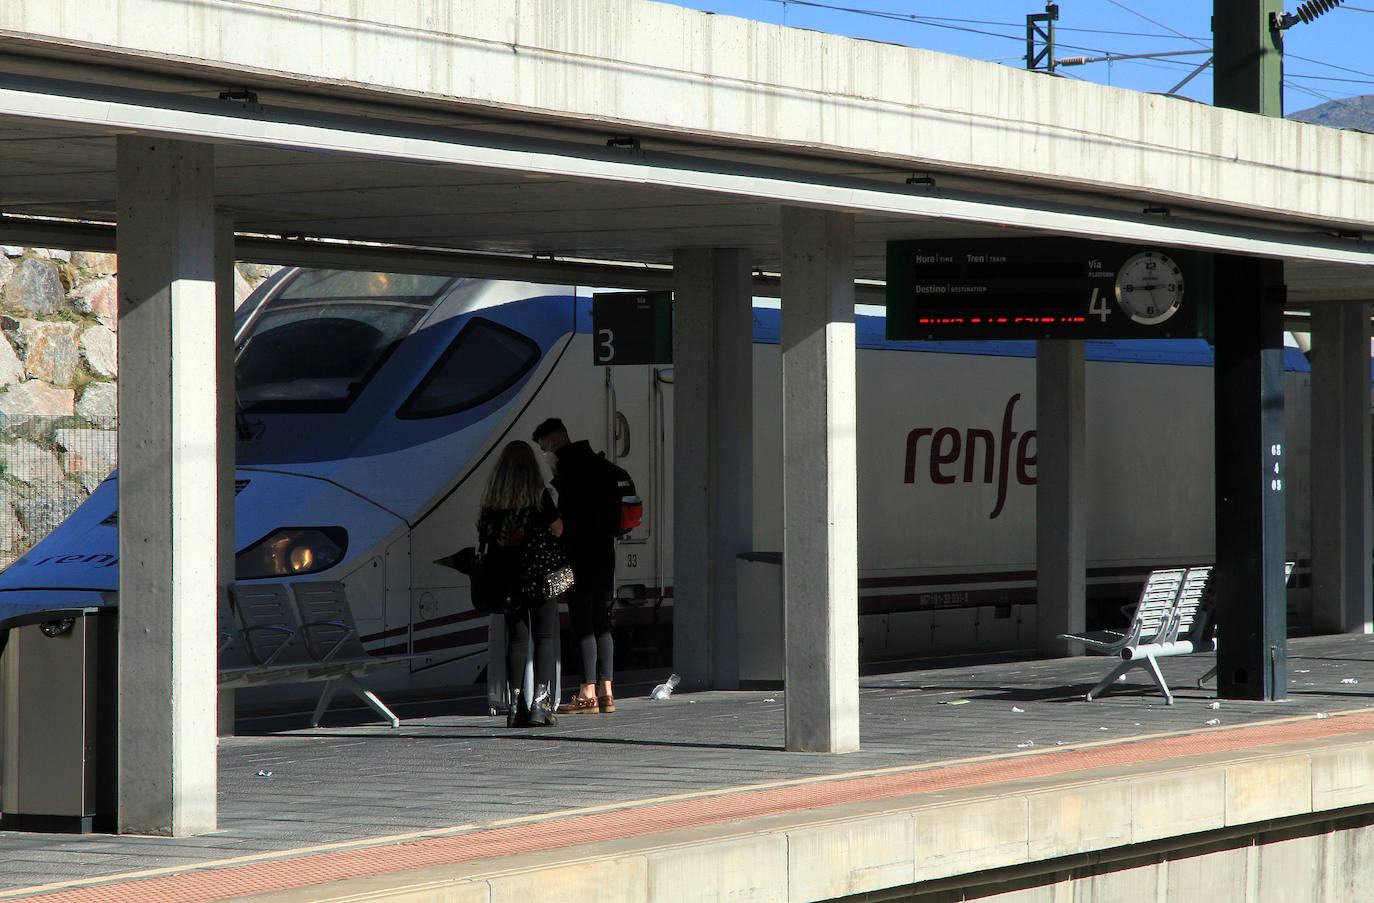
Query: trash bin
[57,725]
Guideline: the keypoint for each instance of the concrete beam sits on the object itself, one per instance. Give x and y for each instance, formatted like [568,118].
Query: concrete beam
[820,506]
[630,67]
[169,527]
[762,181]
[1342,533]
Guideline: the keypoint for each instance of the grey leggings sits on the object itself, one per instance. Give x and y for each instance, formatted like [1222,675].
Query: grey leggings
[542,621]
[590,614]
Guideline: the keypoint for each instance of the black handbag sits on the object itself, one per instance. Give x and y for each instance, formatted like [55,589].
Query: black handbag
[492,572]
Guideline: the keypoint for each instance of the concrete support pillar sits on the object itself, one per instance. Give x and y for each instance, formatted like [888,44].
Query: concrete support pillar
[1061,537]
[226,410]
[168,474]
[1341,520]
[713,460]
[820,519]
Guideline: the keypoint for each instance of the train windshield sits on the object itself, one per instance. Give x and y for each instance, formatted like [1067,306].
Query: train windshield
[314,346]
[484,360]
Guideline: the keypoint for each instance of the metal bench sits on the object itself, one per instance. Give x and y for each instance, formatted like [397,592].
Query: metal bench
[1167,610]
[266,639]
[1152,615]
[1186,630]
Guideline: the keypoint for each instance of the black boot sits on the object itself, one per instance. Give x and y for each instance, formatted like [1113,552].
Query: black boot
[541,711]
[519,714]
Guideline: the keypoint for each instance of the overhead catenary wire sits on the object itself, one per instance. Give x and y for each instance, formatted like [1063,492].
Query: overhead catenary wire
[962,24]
[1014,31]
[1294,56]
[1168,28]
[1330,78]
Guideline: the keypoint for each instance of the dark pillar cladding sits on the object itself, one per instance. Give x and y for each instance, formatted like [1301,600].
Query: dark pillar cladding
[1251,607]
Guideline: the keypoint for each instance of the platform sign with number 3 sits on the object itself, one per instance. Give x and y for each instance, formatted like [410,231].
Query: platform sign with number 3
[632,328]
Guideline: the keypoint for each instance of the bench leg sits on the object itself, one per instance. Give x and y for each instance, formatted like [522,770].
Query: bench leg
[351,684]
[1104,683]
[367,696]
[325,695]
[1211,673]
[1151,664]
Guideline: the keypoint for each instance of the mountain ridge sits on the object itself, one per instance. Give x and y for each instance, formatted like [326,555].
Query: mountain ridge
[1349,113]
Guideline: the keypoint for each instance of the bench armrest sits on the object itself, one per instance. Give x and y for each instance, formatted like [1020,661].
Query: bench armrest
[348,629]
[280,628]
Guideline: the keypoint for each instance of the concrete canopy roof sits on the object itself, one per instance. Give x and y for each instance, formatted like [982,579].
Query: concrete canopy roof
[484,126]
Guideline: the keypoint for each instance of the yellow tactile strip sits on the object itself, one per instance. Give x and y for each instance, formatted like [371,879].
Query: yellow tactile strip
[208,883]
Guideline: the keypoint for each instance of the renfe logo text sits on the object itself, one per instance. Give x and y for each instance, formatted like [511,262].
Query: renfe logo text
[947,445]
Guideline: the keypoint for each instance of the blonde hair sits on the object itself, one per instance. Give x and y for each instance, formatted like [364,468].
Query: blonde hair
[516,481]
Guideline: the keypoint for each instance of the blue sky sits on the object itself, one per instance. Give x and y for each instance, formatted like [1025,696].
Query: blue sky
[1329,58]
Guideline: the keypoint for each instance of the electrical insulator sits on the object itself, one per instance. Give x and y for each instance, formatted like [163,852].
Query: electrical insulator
[1306,12]
[1313,8]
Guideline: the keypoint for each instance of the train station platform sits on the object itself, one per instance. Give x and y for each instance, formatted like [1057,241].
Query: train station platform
[976,774]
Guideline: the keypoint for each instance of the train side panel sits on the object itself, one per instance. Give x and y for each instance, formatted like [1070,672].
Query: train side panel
[947,445]
[947,483]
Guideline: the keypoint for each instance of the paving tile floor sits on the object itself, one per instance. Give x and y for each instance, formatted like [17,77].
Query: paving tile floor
[451,767]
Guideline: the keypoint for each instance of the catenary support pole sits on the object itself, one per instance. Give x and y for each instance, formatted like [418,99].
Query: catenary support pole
[1061,538]
[712,459]
[1341,501]
[819,454]
[1251,601]
[168,470]
[1248,62]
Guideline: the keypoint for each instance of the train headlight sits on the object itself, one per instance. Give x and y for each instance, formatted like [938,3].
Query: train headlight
[290,551]
[301,559]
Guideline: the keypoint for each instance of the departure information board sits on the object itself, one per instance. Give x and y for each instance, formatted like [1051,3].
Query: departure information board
[1038,288]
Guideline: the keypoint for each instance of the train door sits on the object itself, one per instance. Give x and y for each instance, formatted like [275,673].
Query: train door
[636,441]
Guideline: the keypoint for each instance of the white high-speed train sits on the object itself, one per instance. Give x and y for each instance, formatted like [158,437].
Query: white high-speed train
[371,406]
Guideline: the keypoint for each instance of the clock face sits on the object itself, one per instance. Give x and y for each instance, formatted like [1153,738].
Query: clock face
[1149,287]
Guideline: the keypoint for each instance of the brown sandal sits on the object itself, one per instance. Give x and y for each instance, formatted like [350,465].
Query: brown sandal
[606,703]
[579,705]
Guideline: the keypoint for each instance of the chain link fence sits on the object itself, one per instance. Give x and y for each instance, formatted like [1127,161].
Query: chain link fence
[48,466]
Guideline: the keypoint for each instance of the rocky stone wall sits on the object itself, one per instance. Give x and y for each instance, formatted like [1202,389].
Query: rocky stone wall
[59,368]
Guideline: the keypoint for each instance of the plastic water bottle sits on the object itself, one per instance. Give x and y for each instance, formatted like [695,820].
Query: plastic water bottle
[665,689]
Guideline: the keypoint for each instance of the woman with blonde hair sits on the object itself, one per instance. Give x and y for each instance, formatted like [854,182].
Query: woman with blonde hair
[518,519]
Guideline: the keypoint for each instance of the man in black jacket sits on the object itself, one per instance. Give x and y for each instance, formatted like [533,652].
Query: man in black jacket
[591,522]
